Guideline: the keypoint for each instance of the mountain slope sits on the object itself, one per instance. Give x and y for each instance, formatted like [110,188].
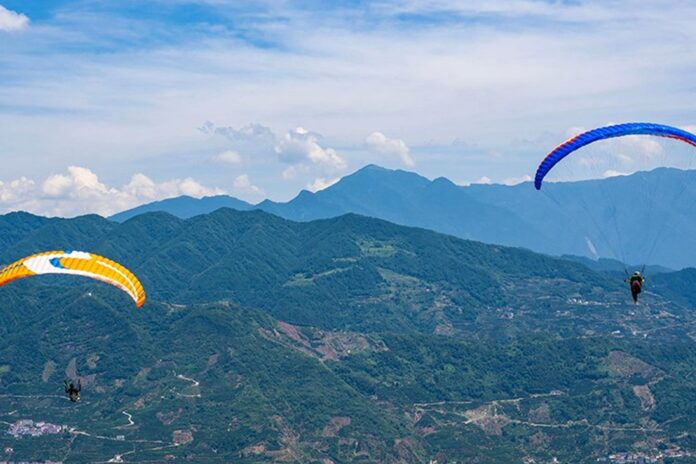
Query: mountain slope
[409,199]
[643,217]
[656,207]
[346,340]
[376,274]
[214,373]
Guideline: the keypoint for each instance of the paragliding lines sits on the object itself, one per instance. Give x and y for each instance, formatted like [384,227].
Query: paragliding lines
[586,138]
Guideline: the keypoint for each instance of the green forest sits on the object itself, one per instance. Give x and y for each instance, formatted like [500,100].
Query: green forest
[346,340]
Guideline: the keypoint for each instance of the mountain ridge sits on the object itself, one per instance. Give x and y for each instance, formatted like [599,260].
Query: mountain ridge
[558,221]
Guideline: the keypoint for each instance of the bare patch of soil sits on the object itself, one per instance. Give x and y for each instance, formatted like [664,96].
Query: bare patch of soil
[335,425]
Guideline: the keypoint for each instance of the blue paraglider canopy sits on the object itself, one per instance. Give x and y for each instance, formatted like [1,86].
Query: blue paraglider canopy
[619,130]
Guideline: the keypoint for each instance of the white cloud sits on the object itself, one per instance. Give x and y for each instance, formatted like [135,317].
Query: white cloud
[575,130]
[11,21]
[483,180]
[229,157]
[380,143]
[516,180]
[244,184]
[81,192]
[141,186]
[616,156]
[321,183]
[645,146]
[625,159]
[254,133]
[16,191]
[57,185]
[189,187]
[613,173]
[300,146]
[505,8]
[302,150]
[528,67]
[290,172]
[589,161]
[83,184]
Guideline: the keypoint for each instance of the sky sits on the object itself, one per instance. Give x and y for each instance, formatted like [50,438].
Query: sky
[106,105]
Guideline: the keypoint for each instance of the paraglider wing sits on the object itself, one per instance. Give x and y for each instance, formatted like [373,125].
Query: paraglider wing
[579,141]
[76,263]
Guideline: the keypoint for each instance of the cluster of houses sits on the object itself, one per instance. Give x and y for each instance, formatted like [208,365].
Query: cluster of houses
[27,427]
[637,457]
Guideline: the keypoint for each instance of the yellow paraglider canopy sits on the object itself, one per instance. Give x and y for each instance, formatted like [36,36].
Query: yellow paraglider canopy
[76,263]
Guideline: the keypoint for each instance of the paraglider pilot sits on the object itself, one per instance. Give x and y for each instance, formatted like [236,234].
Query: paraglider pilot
[72,391]
[636,282]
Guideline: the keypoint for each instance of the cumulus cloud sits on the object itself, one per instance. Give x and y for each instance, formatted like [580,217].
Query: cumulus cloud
[11,21]
[321,183]
[188,187]
[16,191]
[56,185]
[255,141]
[377,142]
[507,75]
[483,180]
[613,173]
[300,146]
[229,157]
[301,150]
[79,191]
[516,180]
[292,172]
[637,145]
[80,183]
[244,184]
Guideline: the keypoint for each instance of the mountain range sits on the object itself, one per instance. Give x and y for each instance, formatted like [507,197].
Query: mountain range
[644,218]
[340,340]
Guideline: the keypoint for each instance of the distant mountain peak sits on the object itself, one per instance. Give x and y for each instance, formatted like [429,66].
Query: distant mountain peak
[444,180]
[374,173]
[305,193]
[373,167]
[506,215]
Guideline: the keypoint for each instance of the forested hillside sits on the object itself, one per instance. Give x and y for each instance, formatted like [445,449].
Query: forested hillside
[340,340]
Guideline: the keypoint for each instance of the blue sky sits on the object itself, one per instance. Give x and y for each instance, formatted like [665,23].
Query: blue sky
[105,105]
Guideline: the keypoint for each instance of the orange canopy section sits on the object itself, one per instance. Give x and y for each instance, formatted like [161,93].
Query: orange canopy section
[76,263]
